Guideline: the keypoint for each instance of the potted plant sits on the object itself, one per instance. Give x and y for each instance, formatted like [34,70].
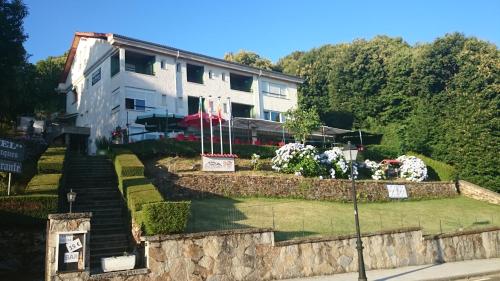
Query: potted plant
[125,262]
[102,144]
[117,135]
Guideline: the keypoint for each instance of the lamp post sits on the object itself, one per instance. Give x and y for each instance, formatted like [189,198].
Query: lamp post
[350,155]
[71,198]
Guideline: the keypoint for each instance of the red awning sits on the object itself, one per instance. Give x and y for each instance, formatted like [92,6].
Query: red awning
[193,120]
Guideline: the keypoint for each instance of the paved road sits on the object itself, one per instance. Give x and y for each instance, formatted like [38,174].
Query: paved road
[488,268]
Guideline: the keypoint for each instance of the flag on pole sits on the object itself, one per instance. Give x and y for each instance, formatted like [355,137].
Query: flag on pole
[230,120]
[200,114]
[210,108]
[219,114]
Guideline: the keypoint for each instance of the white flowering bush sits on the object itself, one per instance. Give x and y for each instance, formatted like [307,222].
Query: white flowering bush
[255,161]
[412,168]
[298,159]
[377,169]
[335,163]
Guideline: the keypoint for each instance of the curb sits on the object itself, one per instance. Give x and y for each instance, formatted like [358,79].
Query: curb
[463,276]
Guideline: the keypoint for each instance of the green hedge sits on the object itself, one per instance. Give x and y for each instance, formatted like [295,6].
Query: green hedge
[140,195]
[128,165]
[52,160]
[380,152]
[437,170]
[27,209]
[44,184]
[164,217]
[125,182]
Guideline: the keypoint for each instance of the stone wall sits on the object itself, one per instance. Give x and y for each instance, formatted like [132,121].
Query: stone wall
[197,185]
[21,246]
[479,193]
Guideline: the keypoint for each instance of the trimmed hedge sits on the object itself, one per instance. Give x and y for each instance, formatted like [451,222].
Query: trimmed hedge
[52,160]
[127,182]
[44,184]
[128,165]
[165,217]
[137,196]
[380,152]
[27,209]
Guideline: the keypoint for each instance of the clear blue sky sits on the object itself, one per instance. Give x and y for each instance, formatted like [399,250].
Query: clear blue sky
[273,29]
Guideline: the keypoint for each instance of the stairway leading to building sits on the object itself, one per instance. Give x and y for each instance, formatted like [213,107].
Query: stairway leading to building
[94,180]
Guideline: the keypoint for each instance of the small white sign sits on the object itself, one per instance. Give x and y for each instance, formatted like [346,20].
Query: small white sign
[397,191]
[74,245]
[71,257]
[217,164]
[65,238]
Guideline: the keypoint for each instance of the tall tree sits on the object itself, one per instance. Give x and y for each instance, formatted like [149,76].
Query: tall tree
[249,58]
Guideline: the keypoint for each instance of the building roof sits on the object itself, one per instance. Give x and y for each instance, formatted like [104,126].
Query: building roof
[121,40]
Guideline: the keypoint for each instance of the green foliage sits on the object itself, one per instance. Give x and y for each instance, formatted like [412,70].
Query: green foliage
[44,184]
[302,122]
[138,196]
[165,217]
[443,171]
[125,182]
[127,164]
[102,143]
[27,209]
[249,58]
[379,152]
[52,161]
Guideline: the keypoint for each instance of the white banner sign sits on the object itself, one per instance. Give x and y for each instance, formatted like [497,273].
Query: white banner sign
[74,245]
[397,191]
[218,164]
[71,257]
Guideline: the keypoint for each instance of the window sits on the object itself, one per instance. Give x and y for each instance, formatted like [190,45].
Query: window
[178,67]
[163,64]
[224,106]
[240,82]
[273,116]
[210,74]
[223,76]
[75,95]
[135,104]
[241,110]
[139,63]
[115,64]
[195,73]
[194,105]
[274,89]
[163,100]
[96,76]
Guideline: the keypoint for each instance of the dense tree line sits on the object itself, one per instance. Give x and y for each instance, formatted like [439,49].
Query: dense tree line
[440,99]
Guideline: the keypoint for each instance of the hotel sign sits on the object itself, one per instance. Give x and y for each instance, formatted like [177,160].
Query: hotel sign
[217,164]
[397,191]
[11,155]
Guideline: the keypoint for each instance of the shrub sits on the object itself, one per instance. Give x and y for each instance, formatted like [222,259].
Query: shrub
[443,171]
[165,217]
[412,168]
[51,164]
[128,165]
[137,196]
[27,209]
[44,184]
[380,152]
[126,182]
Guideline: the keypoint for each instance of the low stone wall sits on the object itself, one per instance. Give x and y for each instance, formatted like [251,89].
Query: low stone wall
[479,193]
[183,186]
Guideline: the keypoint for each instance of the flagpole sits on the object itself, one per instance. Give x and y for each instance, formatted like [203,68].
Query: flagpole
[219,113]
[211,129]
[230,113]
[200,112]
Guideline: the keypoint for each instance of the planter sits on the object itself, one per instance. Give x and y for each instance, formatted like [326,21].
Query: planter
[118,263]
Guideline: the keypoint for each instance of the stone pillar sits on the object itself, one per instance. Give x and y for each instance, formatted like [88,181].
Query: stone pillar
[62,230]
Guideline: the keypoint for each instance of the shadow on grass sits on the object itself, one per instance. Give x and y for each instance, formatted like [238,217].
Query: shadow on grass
[289,235]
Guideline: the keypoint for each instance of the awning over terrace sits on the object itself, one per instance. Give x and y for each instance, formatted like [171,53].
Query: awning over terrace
[273,126]
[158,122]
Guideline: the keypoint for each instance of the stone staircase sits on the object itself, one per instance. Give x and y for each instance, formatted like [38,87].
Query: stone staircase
[94,180]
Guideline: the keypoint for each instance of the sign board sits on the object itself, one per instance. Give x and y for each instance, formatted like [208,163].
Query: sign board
[217,164]
[10,166]
[397,191]
[71,252]
[11,150]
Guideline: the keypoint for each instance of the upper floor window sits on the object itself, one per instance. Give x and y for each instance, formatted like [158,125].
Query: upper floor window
[210,74]
[115,64]
[240,82]
[223,76]
[178,67]
[135,104]
[75,94]
[273,116]
[274,89]
[163,64]
[195,73]
[96,76]
[139,63]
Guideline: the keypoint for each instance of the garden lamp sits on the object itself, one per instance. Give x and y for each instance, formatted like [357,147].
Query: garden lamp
[71,198]
[350,154]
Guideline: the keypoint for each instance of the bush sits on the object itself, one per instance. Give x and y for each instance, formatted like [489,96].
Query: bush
[27,209]
[127,164]
[126,182]
[380,152]
[442,171]
[51,164]
[139,195]
[165,217]
[44,184]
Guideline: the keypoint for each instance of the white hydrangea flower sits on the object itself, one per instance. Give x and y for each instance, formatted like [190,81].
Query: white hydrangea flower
[412,168]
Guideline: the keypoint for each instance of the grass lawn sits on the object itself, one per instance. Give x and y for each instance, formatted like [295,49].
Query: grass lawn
[301,218]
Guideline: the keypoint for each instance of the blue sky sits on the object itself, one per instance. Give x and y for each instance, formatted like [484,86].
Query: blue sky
[273,29]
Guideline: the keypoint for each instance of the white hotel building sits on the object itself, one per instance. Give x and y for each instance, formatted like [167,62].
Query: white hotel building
[109,80]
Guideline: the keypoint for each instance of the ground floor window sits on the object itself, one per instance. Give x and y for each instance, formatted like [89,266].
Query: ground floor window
[135,104]
[273,116]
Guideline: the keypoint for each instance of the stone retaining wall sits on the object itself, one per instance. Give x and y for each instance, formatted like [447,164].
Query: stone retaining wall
[479,193]
[21,246]
[185,185]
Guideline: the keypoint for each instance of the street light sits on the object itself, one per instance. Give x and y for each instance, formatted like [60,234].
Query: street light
[350,154]
[71,198]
